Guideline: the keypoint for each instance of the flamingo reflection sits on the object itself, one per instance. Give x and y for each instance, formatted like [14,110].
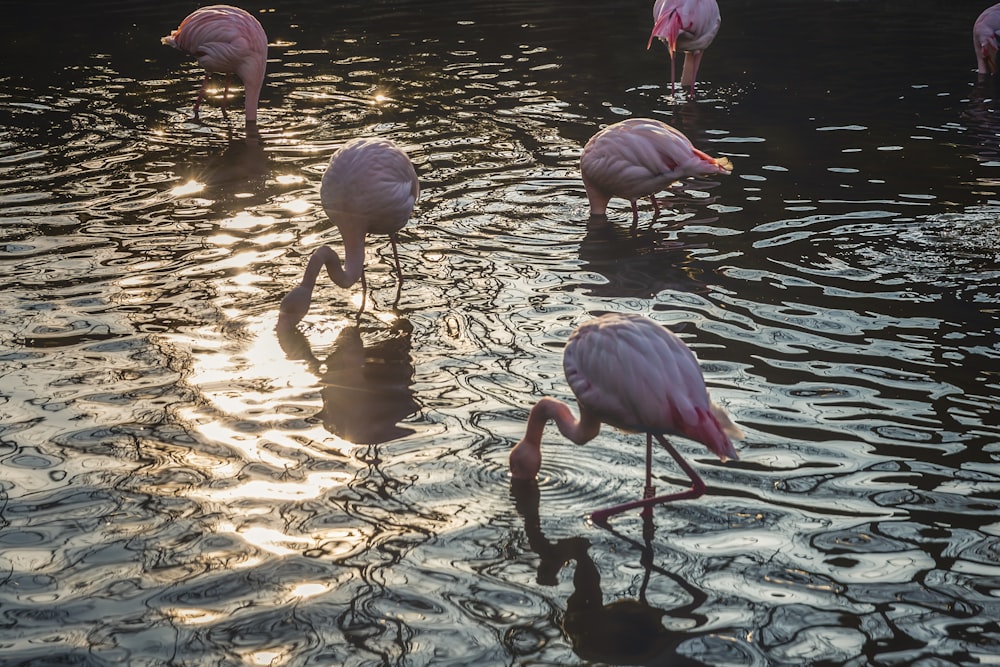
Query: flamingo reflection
[627,631]
[367,387]
[243,163]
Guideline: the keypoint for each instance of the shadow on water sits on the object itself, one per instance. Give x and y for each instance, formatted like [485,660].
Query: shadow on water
[367,388]
[627,631]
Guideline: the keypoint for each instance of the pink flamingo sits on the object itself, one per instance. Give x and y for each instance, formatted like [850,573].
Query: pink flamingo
[629,372]
[639,157]
[688,26]
[984,39]
[227,40]
[370,187]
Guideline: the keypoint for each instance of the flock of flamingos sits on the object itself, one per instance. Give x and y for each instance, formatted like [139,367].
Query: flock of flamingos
[625,370]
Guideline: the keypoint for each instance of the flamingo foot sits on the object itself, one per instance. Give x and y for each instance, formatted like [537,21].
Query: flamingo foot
[601,517]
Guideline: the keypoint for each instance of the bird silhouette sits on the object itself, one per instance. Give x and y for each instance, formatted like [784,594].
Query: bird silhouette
[227,40]
[984,39]
[628,371]
[639,157]
[688,26]
[367,383]
[370,187]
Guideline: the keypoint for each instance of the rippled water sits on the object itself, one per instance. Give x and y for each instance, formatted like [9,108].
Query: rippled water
[182,485]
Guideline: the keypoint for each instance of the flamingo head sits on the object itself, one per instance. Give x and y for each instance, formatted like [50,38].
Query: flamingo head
[525,459]
[294,306]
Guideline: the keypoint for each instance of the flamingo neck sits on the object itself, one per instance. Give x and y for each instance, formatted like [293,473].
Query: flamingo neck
[597,199]
[354,258]
[526,457]
[296,303]
[251,92]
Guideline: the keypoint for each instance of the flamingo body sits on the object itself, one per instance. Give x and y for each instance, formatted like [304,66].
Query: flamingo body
[628,371]
[688,26]
[639,157]
[984,39]
[369,187]
[227,40]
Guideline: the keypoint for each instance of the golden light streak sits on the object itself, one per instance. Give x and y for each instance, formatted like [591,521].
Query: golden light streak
[309,589]
[188,188]
[310,488]
[193,616]
[297,206]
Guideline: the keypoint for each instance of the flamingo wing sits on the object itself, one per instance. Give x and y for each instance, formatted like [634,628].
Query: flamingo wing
[641,156]
[373,180]
[637,375]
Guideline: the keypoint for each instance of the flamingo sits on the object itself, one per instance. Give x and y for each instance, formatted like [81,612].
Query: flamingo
[628,371]
[639,157]
[984,39]
[228,40]
[370,187]
[689,26]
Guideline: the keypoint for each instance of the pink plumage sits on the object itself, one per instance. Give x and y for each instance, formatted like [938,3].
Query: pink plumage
[369,187]
[984,39]
[226,40]
[688,26]
[637,158]
[628,371]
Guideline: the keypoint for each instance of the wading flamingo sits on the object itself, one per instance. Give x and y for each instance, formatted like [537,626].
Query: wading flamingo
[628,371]
[227,40]
[370,187]
[984,39]
[639,157]
[688,26]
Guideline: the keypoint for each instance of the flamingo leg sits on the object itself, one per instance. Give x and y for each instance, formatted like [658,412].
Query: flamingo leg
[650,490]
[364,294]
[395,256]
[201,94]
[399,270]
[225,94]
[697,489]
[635,214]
[656,207]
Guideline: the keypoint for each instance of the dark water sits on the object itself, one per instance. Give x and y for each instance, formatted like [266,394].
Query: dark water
[180,485]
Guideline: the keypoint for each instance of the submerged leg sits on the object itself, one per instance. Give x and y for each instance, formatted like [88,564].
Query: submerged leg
[650,490]
[697,489]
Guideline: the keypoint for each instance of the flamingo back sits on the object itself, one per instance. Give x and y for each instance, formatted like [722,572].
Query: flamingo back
[224,39]
[371,186]
[640,156]
[984,39]
[637,375]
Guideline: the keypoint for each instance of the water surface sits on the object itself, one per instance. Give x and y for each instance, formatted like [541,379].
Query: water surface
[185,484]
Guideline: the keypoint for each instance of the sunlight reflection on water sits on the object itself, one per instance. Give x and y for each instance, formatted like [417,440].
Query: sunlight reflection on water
[184,479]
